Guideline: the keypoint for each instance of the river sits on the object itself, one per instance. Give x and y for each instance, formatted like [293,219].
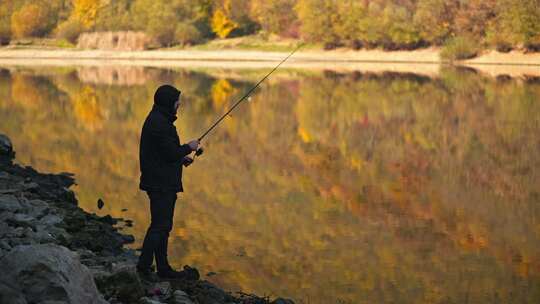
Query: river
[326,187]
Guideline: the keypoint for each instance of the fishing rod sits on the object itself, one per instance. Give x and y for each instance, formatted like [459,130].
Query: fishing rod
[200,150]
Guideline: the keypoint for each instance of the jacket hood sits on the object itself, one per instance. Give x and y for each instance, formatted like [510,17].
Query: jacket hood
[165,97]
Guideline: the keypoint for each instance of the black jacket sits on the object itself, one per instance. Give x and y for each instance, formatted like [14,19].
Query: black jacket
[161,155]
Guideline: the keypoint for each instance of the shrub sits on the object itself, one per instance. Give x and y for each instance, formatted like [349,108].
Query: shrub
[70,30]
[186,33]
[459,48]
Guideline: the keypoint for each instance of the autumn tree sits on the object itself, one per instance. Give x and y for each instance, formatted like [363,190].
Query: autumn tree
[277,17]
[221,24]
[517,23]
[473,16]
[433,19]
[32,20]
[114,16]
[86,11]
[230,18]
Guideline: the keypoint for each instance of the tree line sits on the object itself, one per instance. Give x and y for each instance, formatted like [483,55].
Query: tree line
[388,24]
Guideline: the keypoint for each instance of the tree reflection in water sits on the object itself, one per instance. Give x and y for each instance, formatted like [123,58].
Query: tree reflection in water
[326,187]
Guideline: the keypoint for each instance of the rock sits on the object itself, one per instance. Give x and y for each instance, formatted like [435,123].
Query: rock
[125,283]
[41,236]
[69,196]
[16,232]
[50,220]
[30,186]
[6,148]
[208,293]
[4,245]
[48,272]
[162,289]
[282,301]
[10,294]
[22,220]
[9,190]
[108,220]
[180,297]
[146,300]
[9,203]
[36,208]
[100,203]
[128,238]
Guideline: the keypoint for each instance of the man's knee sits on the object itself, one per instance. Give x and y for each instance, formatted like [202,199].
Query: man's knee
[162,227]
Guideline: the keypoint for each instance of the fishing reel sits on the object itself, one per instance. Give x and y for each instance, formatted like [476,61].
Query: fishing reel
[199,152]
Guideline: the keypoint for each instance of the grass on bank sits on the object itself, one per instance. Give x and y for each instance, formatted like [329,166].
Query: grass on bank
[45,43]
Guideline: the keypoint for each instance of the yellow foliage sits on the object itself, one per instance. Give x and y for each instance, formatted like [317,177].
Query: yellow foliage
[87,109]
[304,135]
[222,25]
[221,92]
[86,11]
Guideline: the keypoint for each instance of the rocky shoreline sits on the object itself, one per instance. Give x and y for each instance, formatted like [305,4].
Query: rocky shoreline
[52,251]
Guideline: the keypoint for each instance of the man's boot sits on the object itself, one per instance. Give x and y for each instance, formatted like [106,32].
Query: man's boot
[189,273]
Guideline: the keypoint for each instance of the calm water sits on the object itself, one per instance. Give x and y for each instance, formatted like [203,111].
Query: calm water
[325,187]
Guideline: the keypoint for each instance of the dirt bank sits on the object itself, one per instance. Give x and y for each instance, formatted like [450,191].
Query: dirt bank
[424,61]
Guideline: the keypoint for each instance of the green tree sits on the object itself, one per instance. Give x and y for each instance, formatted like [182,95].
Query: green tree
[187,33]
[352,29]
[158,18]
[400,31]
[318,19]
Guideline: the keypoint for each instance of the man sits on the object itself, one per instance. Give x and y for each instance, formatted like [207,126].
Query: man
[161,159]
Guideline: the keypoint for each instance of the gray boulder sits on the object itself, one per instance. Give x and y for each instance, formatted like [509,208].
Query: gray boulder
[124,283]
[9,203]
[46,273]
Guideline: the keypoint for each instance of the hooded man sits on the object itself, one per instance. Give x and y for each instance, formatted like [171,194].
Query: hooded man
[161,159]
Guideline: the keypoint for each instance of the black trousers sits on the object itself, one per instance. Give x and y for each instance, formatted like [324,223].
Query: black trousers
[156,240]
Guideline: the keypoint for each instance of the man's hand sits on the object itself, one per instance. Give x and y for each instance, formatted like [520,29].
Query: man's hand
[194,144]
[187,161]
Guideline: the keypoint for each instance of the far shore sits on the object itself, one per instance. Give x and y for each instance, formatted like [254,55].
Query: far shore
[424,61]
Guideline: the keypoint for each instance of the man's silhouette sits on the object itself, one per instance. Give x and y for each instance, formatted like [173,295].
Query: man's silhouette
[161,159]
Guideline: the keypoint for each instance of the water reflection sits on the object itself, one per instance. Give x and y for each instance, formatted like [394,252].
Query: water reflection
[325,187]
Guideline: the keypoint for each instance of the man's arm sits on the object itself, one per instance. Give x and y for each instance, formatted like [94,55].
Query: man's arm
[168,147]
